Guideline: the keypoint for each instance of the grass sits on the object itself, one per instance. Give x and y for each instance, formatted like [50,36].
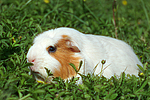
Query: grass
[22,20]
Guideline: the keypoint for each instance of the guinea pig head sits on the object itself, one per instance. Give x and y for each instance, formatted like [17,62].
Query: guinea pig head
[55,54]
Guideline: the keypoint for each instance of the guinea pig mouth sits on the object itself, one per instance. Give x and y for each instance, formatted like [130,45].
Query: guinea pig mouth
[38,76]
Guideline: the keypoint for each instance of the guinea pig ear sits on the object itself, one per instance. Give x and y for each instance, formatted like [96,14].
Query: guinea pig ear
[72,45]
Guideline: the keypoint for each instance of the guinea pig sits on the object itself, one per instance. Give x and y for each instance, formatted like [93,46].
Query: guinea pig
[57,48]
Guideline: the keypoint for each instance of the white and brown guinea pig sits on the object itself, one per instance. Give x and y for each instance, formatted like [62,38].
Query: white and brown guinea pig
[56,48]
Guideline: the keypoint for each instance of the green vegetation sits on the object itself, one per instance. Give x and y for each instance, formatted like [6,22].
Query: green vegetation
[22,20]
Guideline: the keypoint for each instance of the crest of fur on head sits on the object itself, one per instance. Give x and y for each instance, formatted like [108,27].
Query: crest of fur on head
[56,48]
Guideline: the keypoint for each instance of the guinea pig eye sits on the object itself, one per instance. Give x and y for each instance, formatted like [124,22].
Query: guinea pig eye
[51,49]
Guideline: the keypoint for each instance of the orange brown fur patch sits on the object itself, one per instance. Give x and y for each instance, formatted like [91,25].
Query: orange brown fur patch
[65,54]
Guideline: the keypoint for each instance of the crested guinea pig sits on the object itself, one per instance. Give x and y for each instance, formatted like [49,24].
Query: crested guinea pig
[56,48]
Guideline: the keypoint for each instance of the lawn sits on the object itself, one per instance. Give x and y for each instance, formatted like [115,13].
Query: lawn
[22,20]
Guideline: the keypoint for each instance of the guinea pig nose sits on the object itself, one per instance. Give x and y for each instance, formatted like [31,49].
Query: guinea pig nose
[33,60]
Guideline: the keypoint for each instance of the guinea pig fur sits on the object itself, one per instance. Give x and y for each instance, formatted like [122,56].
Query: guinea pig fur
[56,48]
